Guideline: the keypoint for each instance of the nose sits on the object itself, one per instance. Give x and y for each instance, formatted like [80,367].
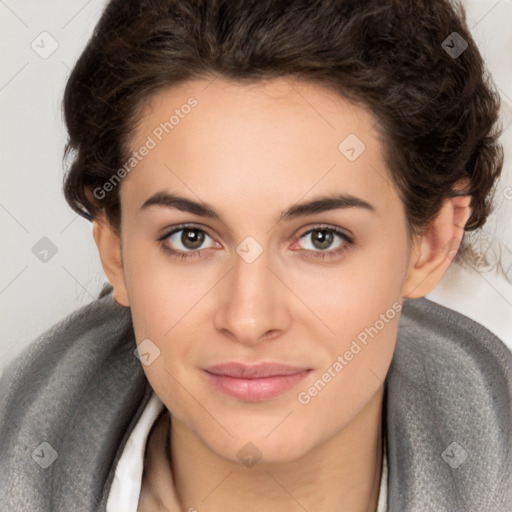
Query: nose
[251,302]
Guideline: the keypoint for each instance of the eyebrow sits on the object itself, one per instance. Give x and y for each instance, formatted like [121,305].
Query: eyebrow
[317,205]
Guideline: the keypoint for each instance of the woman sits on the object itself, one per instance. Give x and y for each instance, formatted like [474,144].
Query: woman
[274,187]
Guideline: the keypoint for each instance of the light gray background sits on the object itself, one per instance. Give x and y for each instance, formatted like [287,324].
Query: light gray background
[35,295]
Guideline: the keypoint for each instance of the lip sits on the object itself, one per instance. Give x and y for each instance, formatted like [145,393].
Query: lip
[255,383]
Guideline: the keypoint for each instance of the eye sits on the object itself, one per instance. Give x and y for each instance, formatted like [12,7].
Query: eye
[323,238]
[191,239]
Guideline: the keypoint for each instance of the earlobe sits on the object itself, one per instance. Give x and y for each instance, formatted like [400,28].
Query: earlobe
[434,250]
[109,248]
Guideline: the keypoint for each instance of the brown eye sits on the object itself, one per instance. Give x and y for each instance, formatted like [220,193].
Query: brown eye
[322,238]
[184,241]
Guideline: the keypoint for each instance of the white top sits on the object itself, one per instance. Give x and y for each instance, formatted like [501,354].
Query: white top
[125,490]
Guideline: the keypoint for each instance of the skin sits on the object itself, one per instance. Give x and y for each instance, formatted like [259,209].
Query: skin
[252,151]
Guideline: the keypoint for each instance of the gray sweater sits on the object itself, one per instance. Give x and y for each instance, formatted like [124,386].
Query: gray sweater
[70,400]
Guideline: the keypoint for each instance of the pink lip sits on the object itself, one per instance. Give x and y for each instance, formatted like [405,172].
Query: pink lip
[255,383]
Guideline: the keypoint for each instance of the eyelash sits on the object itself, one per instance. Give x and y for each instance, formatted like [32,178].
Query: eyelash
[317,254]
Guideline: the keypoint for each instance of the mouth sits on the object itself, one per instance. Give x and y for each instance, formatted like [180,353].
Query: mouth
[255,383]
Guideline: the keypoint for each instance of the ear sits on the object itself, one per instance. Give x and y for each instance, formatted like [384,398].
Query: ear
[109,247]
[433,250]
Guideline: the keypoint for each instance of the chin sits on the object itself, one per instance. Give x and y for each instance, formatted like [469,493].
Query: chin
[255,448]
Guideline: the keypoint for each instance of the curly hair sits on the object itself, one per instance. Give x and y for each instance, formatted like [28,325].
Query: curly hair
[437,110]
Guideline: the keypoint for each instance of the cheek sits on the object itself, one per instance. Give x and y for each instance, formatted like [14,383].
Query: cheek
[151,279]
[354,375]
[349,298]
[362,310]
[161,304]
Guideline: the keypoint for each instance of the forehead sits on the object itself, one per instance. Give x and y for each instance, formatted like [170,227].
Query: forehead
[280,137]
[268,104]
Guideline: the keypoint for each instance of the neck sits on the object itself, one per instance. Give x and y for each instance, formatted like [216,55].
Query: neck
[343,473]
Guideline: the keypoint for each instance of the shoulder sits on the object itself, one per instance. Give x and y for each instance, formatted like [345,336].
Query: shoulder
[437,336]
[449,412]
[71,397]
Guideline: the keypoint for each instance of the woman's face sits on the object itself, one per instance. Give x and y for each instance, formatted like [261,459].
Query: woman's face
[265,280]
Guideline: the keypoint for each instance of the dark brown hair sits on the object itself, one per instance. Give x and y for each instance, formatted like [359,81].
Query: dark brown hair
[434,100]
